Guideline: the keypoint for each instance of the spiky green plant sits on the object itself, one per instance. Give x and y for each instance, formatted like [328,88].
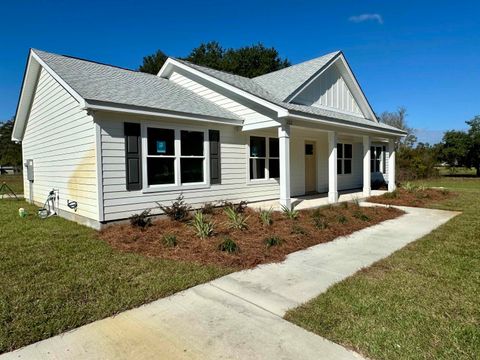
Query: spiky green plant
[236,220]
[272,241]
[228,245]
[290,213]
[169,240]
[266,217]
[203,226]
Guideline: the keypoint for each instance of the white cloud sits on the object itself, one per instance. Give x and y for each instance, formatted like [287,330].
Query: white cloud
[366,17]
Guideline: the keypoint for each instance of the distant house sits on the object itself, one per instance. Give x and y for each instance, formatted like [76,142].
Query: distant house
[116,141]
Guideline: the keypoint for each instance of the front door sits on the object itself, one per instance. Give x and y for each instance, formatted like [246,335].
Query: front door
[310,168]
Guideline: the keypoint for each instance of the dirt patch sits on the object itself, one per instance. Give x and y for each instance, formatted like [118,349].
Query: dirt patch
[416,197]
[310,228]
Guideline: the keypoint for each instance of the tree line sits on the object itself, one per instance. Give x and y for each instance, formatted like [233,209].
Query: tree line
[417,160]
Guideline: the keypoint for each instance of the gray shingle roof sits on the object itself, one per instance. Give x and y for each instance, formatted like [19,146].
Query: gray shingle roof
[105,83]
[251,86]
[282,83]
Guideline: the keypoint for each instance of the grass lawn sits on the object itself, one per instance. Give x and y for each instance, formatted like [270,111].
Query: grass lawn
[56,275]
[420,303]
[14,181]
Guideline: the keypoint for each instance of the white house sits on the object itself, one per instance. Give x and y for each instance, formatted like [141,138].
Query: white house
[114,141]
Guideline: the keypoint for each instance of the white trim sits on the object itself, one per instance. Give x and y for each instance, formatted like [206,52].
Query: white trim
[67,87]
[160,113]
[99,169]
[332,168]
[284,152]
[335,124]
[367,176]
[177,158]
[167,69]
[391,165]
[267,178]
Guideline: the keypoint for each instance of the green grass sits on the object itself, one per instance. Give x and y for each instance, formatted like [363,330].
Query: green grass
[423,302]
[456,171]
[15,182]
[56,275]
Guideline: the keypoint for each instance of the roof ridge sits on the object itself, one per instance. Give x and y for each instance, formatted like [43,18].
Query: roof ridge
[333,53]
[90,61]
[209,68]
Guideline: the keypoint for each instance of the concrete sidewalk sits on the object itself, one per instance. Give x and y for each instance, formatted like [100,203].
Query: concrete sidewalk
[239,316]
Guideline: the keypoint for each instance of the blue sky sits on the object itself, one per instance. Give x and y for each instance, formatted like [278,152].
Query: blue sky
[424,55]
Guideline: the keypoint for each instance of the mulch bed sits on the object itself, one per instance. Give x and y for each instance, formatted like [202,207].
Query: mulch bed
[414,198]
[252,250]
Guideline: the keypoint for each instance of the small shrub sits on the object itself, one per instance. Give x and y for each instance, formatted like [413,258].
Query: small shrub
[203,227]
[298,230]
[320,223]
[228,245]
[273,241]
[208,208]
[266,217]
[141,220]
[391,195]
[444,192]
[290,213]
[342,219]
[178,211]
[410,187]
[344,205]
[238,208]
[361,216]
[169,240]
[236,220]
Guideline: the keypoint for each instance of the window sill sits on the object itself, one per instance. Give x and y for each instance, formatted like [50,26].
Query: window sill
[262,182]
[160,189]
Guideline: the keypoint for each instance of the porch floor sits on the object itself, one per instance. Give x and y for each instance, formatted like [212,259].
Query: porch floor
[316,200]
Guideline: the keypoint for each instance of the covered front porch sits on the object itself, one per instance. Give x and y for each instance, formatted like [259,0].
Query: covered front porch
[322,165]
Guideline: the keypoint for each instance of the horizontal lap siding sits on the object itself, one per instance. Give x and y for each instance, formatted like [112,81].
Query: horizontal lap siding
[120,203]
[60,139]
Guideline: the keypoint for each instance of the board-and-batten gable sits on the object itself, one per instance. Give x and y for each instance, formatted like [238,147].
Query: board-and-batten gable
[252,114]
[330,91]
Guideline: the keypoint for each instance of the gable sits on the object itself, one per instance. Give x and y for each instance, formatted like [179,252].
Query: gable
[331,91]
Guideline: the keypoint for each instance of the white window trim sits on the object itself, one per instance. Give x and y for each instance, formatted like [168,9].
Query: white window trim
[267,179]
[345,158]
[382,166]
[177,146]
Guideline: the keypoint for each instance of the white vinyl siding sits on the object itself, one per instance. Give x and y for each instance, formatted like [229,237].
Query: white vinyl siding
[250,114]
[60,138]
[120,203]
[330,91]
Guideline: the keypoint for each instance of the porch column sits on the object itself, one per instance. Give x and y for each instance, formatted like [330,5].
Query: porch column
[332,167]
[391,165]
[367,190]
[284,142]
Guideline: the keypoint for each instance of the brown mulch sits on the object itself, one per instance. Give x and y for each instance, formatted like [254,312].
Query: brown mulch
[414,198]
[295,235]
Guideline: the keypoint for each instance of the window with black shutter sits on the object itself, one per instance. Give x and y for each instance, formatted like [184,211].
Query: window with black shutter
[133,159]
[215,169]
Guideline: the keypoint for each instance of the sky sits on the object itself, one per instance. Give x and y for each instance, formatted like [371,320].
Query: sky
[424,55]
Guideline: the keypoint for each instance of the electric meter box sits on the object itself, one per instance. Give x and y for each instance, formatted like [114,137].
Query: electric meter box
[29,166]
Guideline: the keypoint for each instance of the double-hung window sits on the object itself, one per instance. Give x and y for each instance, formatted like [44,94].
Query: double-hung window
[175,157]
[377,159]
[344,159]
[264,158]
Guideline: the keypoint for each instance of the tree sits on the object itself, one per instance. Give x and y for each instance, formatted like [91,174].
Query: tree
[153,63]
[248,61]
[455,148]
[10,153]
[473,158]
[398,119]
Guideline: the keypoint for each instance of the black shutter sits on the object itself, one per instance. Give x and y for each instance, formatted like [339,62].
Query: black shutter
[133,156]
[215,169]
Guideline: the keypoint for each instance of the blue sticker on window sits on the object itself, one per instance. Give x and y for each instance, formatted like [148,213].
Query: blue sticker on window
[161,147]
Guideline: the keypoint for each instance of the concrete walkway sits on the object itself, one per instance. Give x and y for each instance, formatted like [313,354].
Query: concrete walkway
[239,316]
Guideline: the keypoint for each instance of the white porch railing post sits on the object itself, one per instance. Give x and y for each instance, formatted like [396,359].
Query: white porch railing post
[284,142]
[332,167]
[367,176]
[391,165]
